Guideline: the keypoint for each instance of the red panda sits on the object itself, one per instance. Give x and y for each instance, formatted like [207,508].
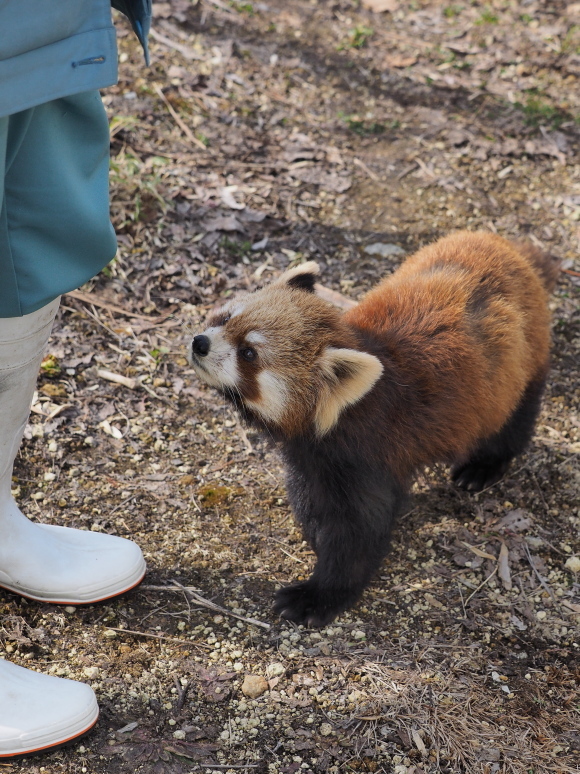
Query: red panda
[445,360]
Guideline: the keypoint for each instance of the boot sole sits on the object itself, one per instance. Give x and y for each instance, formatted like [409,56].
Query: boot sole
[75,602]
[52,746]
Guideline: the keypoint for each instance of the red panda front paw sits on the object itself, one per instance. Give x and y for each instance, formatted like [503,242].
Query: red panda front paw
[475,476]
[305,603]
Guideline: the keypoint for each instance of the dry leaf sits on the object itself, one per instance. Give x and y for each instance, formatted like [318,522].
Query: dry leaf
[227,197]
[380,6]
[228,223]
[419,744]
[328,181]
[516,521]
[395,60]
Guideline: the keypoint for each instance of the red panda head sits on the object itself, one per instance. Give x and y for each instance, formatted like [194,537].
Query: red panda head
[285,356]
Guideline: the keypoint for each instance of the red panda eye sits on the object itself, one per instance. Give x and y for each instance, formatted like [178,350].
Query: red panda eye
[248,354]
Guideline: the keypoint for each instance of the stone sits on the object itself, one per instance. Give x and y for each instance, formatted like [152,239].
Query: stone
[254,686]
[275,670]
[573,563]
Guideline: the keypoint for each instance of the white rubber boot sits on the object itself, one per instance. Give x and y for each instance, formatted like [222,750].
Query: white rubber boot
[41,561]
[39,711]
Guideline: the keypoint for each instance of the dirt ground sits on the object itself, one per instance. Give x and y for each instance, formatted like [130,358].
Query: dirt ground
[264,134]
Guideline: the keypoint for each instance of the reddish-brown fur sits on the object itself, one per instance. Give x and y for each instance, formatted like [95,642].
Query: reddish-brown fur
[466,322]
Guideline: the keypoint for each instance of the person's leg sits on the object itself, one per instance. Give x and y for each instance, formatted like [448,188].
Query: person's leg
[55,230]
[54,235]
[42,561]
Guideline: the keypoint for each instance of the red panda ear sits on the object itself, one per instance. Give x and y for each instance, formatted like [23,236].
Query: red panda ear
[348,375]
[301,277]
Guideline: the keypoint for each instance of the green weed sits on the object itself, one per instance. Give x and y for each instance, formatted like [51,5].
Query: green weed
[366,128]
[358,37]
[237,249]
[243,7]
[487,17]
[538,112]
[451,11]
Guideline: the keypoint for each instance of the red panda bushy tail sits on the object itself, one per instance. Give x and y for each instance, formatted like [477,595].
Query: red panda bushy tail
[547,266]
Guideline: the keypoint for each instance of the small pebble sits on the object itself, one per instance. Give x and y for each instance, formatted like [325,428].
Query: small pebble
[573,563]
[254,686]
[276,669]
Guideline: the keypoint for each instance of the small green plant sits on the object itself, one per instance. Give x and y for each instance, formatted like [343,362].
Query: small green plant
[487,17]
[571,42]
[526,18]
[451,11]
[238,249]
[50,366]
[243,7]
[359,36]
[157,353]
[365,128]
[538,112]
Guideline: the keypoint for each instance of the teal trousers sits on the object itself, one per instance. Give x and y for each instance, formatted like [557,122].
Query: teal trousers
[55,230]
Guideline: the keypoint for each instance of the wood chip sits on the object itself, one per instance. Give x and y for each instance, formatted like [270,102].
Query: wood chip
[117,378]
[503,567]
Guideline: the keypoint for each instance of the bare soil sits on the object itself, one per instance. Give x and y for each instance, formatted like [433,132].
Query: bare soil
[265,134]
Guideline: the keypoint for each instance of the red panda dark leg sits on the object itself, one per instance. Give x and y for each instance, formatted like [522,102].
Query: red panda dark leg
[346,509]
[490,461]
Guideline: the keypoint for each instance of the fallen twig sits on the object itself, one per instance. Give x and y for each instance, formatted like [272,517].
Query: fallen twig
[181,693]
[369,172]
[203,602]
[91,298]
[154,394]
[185,51]
[180,123]
[156,637]
[539,577]
[481,585]
[295,558]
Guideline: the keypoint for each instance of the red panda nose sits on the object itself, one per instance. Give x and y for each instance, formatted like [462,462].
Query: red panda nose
[200,345]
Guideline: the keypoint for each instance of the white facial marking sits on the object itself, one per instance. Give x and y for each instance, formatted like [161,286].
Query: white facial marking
[237,309]
[273,396]
[255,337]
[219,367]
